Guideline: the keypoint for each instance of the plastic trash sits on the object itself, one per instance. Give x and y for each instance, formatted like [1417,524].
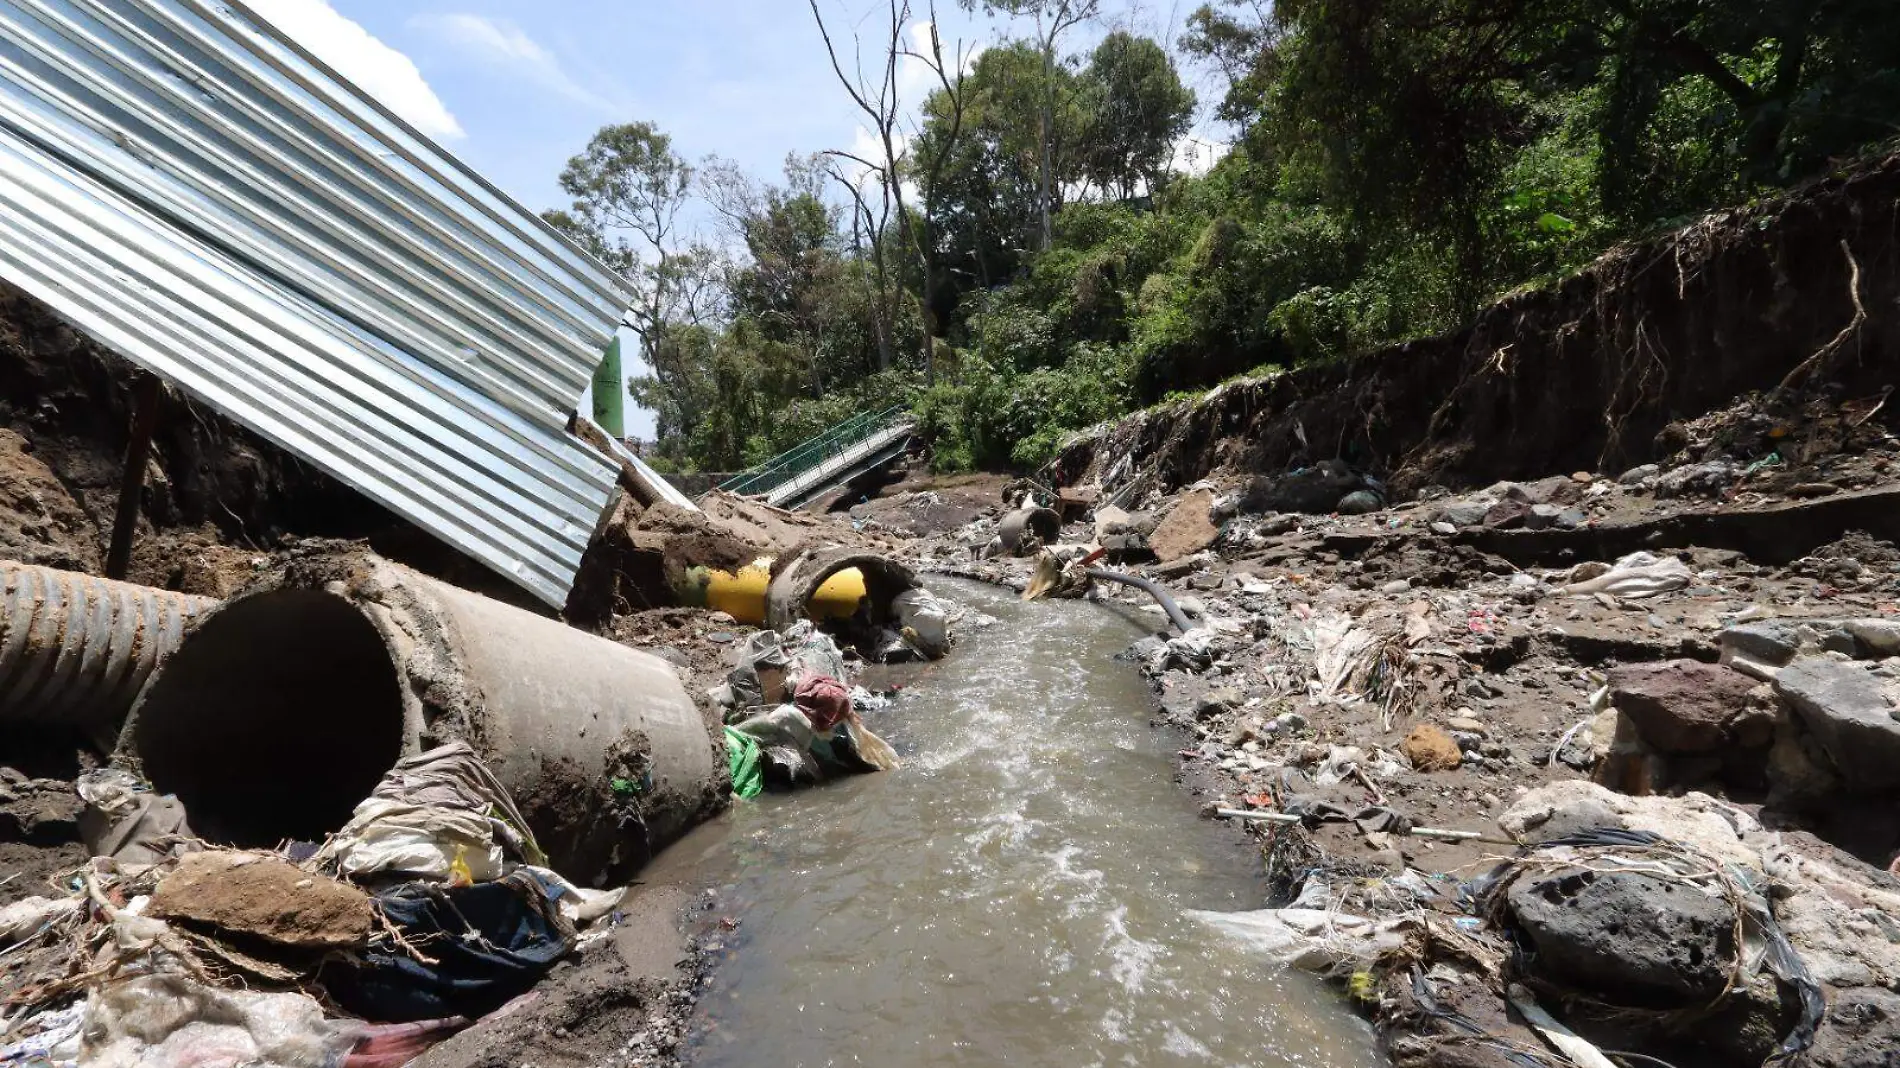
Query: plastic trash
[26,918]
[1637,575]
[1314,940]
[170,1021]
[923,621]
[742,757]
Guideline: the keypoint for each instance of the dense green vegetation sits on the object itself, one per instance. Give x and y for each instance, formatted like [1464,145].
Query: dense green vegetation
[1033,257]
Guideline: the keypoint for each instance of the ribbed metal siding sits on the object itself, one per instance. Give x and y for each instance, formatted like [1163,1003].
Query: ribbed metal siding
[75,650]
[203,197]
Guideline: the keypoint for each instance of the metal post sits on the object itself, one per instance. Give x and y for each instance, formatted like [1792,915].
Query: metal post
[147,393]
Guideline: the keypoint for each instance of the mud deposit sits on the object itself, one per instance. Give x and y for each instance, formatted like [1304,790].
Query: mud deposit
[1013,895]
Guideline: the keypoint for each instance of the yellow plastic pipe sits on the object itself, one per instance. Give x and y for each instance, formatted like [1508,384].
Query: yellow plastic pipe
[742,596]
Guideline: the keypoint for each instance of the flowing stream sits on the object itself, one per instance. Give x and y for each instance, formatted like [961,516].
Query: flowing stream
[1011,896]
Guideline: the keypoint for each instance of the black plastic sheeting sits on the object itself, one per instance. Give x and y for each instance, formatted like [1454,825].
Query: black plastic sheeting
[490,942]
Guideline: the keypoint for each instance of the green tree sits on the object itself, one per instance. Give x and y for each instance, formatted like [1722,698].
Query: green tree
[1135,109]
[1052,19]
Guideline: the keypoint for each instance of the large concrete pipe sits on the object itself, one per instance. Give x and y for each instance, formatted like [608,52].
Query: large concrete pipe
[75,650]
[796,580]
[285,706]
[1044,524]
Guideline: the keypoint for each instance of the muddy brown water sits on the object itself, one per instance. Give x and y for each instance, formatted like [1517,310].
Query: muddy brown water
[1013,895]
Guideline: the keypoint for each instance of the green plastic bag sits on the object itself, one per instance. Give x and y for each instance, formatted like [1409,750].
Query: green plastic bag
[742,756]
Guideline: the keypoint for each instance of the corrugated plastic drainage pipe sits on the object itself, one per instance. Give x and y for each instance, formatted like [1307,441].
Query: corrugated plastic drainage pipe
[76,649]
[286,705]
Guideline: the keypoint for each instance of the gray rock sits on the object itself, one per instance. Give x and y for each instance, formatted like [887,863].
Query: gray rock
[1843,707]
[1442,527]
[1861,1030]
[1630,939]
[1760,649]
[1144,650]
[1696,480]
[1636,475]
[1543,516]
[1464,513]
[1571,519]
[1880,637]
[1396,587]
[1507,515]
[1360,502]
[1217,701]
[1681,706]
[1557,489]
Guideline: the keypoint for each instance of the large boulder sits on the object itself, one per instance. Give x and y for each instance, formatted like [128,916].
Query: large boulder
[1682,707]
[1851,714]
[1187,530]
[1632,939]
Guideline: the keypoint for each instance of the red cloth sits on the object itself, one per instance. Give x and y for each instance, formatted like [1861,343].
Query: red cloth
[824,700]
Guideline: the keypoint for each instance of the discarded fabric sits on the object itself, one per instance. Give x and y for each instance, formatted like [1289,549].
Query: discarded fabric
[124,820]
[824,700]
[435,815]
[1637,575]
[487,943]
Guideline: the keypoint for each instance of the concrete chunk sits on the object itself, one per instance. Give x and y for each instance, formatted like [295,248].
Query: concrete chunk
[1844,706]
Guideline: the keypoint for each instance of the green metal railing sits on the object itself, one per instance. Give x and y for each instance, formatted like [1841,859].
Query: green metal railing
[799,459]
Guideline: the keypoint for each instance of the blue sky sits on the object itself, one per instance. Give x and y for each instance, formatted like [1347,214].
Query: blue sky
[515,88]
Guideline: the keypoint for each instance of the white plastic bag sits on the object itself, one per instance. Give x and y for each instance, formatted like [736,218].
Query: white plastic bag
[924,620]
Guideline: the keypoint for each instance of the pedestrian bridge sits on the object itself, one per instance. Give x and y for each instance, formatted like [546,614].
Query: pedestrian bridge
[804,472]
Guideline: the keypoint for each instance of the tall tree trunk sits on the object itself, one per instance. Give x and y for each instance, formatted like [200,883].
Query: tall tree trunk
[1046,124]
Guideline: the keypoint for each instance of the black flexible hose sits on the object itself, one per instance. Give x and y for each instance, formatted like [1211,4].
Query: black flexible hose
[1175,615]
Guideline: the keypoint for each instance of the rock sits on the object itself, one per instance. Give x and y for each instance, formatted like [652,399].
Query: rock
[1813,489]
[1396,587]
[1582,478]
[1879,637]
[1186,530]
[1696,480]
[1465,724]
[1557,489]
[1216,702]
[1431,749]
[266,898]
[1761,648]
[1861,1030]
[1681,706]
[1507,515]
[1572,806]
[1144,650]
[1845,708]
[1571,519]
[1464,513]
[1635,940]
[1442,527]
[1800,775]
[1542,516]
[1360,502]
[1637,475]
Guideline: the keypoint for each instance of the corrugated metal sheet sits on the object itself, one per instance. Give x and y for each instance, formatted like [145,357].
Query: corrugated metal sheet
[202,196]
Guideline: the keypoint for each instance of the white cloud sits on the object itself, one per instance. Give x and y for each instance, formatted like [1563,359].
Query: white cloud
[355,53]
[501,44]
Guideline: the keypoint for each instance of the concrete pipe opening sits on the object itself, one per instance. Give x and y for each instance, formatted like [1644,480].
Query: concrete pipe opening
[274,719]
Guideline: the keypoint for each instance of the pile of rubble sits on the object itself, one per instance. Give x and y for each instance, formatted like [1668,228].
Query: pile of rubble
[1586,764]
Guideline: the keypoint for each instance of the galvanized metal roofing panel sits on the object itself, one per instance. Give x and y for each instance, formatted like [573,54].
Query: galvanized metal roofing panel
[200,195]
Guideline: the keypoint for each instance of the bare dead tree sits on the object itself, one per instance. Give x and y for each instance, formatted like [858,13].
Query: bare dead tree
[878,100]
